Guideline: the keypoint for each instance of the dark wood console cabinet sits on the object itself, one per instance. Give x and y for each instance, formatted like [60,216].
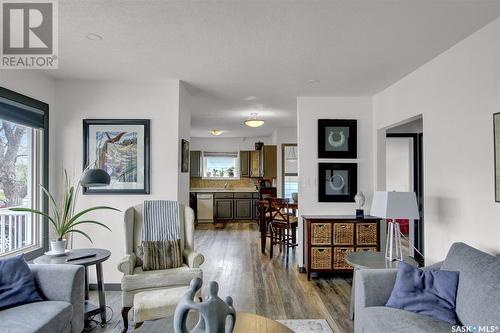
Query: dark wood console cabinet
[329,239]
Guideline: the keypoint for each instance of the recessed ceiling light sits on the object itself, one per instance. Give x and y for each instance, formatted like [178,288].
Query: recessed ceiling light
[93,36]
[314,81]
[253,121]
[216,132]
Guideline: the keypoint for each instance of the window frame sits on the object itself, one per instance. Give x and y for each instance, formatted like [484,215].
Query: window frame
[237,171]
[43,155]
[283,166]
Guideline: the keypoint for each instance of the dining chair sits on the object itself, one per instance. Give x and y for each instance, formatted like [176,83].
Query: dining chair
[282,225]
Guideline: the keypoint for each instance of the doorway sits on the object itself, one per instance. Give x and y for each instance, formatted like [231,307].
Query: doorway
[404,172]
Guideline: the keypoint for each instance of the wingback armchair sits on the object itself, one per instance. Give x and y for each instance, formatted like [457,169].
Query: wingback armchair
[136,280]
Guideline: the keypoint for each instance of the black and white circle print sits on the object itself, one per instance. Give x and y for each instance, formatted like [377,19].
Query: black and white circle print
[337,182]
[337,138]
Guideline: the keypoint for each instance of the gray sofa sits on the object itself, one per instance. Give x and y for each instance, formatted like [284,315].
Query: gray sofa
[478,295]
[63,288]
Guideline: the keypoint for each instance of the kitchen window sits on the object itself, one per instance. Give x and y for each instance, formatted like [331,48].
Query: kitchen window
[23,146]
[221,165]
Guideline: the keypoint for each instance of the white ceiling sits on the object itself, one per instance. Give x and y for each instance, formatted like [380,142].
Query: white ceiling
[228,51]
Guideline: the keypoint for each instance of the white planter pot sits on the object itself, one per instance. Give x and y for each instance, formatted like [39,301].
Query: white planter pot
[58,246]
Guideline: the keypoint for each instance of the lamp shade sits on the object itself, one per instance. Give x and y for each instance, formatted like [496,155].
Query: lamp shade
[95,178]
[395,205]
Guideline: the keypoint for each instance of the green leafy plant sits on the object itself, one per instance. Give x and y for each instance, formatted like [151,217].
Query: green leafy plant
[63,217]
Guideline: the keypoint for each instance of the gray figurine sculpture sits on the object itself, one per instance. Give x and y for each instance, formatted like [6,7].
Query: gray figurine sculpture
[213,312]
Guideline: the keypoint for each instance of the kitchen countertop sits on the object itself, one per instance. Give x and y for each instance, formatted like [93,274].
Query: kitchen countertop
[232,190]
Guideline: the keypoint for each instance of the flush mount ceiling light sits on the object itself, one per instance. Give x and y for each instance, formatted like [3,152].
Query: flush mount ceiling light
[253,121]
[93,36]
[216,132]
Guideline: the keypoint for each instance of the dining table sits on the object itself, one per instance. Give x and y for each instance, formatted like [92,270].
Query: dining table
[265,213]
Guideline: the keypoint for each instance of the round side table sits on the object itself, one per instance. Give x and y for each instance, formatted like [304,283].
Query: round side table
[245,323]
[371,260]
[99,256]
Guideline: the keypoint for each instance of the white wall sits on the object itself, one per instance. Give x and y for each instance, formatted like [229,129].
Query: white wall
[77,100]
[280,136]
[399,164]
[184,129]
[310,109]
[456,93]
[222,144]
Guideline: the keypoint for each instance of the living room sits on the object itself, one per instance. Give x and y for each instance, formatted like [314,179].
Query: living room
[324,95]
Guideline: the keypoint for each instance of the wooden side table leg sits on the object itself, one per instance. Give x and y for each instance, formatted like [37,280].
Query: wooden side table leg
[100,290]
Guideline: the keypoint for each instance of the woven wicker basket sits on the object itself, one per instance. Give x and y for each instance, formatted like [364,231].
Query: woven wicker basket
[366,234]
[321,258]
[366,249]
[343,233]
[339,255]
[321,233]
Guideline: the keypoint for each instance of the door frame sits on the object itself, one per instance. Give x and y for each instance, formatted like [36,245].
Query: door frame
[418,187]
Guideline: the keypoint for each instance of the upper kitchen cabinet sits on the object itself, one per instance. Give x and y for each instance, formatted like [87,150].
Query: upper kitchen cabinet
[245,163]
[195,164]
[270,162]
[255,163]
[263,163]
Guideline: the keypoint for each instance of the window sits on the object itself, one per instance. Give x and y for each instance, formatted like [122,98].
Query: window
[290,172]
[221,165]
[22,138]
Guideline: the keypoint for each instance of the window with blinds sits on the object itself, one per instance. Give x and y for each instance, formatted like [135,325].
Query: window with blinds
[23,145]
[221,165]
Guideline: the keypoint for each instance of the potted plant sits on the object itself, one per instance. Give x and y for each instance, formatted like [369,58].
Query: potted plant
[63,217]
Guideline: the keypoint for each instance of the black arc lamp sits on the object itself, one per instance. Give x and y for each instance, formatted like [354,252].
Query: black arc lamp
[95,178]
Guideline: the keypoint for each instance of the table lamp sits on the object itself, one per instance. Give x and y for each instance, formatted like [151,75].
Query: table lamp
[394,205]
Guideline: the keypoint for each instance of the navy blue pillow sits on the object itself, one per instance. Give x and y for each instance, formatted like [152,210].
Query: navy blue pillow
[431,293]
[17,283]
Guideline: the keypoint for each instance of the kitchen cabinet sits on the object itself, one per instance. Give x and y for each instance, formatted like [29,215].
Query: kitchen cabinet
[255,163]
[243,209]
[270,163]
[255,208]
[245,163]
[223,209]
[264,163]
[195,164]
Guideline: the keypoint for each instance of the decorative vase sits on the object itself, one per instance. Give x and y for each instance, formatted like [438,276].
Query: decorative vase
[58,246]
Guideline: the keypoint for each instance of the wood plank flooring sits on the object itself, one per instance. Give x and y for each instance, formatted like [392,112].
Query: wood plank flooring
[271,288]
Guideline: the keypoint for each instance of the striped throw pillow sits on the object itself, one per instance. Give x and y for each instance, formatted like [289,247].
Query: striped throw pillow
[161,255]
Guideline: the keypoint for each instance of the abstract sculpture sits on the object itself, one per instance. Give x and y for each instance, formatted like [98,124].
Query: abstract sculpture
[213,312]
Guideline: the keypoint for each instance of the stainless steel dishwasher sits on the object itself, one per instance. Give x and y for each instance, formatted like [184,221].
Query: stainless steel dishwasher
[205,210]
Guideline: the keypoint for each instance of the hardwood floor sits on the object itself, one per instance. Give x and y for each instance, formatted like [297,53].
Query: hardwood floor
[270,288]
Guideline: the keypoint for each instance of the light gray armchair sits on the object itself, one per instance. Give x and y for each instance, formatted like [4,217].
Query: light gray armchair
[62,311]
[136,280]
[478,295]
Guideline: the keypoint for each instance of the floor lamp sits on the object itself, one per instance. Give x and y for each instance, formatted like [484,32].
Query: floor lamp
[394,205]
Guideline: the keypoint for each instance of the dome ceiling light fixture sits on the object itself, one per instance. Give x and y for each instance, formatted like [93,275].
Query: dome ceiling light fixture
[253,121]
[216,132]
